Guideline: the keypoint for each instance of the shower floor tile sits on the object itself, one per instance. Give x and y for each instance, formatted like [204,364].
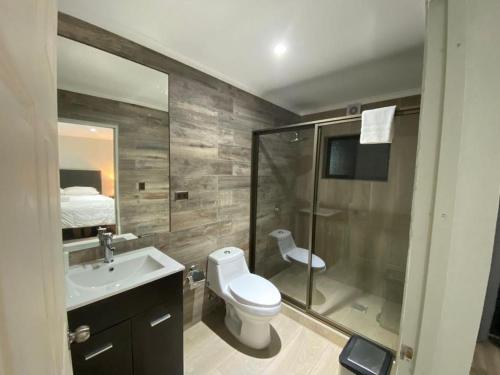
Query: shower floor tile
[367,314]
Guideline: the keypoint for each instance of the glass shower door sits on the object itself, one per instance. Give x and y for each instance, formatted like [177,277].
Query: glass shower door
[362,220]
[282,217]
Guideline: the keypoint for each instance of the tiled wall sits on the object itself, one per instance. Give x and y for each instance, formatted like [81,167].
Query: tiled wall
[210,157]
[210,141]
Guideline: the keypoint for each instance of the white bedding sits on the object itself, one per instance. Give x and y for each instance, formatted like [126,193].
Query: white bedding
[79,211]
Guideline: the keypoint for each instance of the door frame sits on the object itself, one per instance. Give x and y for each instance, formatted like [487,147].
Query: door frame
[457,187]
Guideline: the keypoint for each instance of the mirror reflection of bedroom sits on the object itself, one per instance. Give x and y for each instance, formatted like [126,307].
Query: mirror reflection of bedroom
[87,178]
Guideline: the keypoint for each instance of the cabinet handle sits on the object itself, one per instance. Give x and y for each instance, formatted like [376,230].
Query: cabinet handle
[99,351]
[79,335]
[161,319]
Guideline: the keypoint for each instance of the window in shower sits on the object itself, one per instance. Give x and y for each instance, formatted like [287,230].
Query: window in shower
[346,158]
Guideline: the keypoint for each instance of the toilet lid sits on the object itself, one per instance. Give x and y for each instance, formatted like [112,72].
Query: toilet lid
[254,290]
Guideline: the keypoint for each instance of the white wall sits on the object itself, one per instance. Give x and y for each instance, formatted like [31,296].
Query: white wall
[92,154]
[467,185]
[429,136]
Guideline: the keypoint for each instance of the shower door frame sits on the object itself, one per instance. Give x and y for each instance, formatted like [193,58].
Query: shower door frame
[254,174]
[317,125]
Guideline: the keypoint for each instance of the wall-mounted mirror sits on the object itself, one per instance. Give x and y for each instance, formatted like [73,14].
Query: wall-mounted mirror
[113,143]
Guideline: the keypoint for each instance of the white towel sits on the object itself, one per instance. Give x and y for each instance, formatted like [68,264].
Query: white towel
[377,125]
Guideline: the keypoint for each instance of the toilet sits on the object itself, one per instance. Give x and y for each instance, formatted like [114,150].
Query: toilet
[291,253]
[251,300]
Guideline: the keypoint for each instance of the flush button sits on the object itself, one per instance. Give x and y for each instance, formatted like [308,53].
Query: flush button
[227,252]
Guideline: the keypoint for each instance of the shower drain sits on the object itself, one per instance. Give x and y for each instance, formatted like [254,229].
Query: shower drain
[359,307]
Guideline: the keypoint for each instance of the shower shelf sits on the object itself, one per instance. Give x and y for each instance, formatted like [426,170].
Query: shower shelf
[324,212]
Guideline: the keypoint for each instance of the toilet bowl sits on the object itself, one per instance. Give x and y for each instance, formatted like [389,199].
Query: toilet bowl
[251,300]
[291,253]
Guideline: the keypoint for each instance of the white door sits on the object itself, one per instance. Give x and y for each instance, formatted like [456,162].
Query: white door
[32,312]
[457,186]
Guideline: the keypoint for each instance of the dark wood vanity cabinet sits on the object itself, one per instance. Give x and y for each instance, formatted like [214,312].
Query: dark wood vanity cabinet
[153,332]
[105,353]
[137,332]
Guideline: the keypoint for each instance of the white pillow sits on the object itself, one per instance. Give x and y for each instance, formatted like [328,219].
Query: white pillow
[80,190]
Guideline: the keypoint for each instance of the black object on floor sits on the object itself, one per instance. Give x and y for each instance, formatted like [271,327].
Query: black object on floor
[363,357]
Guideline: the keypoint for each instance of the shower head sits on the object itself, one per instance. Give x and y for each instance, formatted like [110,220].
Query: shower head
[295,138]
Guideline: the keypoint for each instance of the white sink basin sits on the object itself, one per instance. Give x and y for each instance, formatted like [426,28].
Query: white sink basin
[87,283]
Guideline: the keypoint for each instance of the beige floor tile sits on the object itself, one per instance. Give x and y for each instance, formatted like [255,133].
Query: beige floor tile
[248,362]
[300,356]
[211,350]
[486,359]
[328,363]
[204,351]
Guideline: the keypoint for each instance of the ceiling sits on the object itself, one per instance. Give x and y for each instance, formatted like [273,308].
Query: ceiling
[337,51]
[66,129]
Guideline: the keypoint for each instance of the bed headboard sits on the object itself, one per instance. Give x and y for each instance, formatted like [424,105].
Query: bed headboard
[80,177]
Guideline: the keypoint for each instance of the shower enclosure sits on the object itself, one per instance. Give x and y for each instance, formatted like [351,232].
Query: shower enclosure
[330,220]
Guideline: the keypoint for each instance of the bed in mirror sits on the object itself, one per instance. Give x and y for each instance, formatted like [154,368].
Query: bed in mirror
[113,145]
[87,173]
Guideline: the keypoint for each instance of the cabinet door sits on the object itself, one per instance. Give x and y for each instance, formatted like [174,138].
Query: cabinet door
[106,353]
[157,341]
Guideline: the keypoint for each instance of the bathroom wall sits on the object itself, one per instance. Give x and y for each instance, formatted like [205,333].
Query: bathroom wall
[210,143]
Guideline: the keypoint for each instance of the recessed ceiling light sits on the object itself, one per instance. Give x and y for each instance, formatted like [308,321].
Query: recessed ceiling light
[280,49]
[93,130]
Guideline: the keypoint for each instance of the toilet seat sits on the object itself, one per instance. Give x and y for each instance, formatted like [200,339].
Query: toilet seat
[254,290]
[301,255]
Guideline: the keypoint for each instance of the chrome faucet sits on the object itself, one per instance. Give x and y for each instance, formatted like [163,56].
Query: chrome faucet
[100,235]
[109,250]
[106,243]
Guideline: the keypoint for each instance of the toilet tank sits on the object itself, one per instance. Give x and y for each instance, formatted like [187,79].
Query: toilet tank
[285,241]
[224,265]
